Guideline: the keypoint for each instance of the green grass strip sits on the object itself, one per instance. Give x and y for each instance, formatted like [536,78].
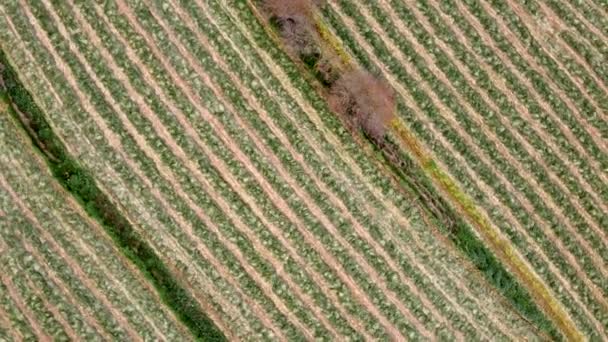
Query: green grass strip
[415,179]
[83,187]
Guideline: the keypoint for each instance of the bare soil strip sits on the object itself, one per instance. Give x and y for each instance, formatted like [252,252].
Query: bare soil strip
[522,51]
[135,273]
[595,290]
[597,259]
[86,313]
[403,92]
[111,175]
[5,323]
[53,309]
[448,272]
[92,254]
[290,89]
[500,146]
[578,17]
[365,201]
[340,205]
[106,129]
[163,133]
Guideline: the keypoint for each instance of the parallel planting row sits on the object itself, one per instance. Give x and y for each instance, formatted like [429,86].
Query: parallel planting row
[522,128]
[61,277]
[232,169]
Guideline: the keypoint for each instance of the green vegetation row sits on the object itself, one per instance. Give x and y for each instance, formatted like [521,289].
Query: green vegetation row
[417,182]
[472,95]
[64,243]
[193,195]
[432,111]
[244,211]
[474,162]
[82,186]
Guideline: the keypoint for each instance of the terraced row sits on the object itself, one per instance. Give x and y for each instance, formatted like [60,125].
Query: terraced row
[514,138]
[233,170]
[61,276]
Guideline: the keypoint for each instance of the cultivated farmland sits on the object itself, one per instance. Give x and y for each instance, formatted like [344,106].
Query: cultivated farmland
[185,178]
[61,276]
[528,148]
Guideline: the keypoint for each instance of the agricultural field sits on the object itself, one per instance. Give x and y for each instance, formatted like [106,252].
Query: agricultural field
[306,170]
[61,277]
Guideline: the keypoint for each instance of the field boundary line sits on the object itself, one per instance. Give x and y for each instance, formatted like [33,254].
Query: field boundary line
[319,23]
[595,259]
[118,147]
[299,158]
[489,233]
[506,152]
[228,104]
[225,206]
[161,287]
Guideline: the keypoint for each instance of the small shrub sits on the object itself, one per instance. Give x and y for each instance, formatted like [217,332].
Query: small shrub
[365,100]
[294,21]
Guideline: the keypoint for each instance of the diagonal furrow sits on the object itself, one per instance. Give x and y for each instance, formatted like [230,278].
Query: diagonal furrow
[121,319]
[562,47]
[593,131]
[115,141]
[18,301]
[598,262]
[499,82]
[502,149]
[205,43]
[257,140]
[236,186]
[269,62]
[411,103]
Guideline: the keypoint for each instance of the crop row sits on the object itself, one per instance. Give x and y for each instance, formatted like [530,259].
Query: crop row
[159,183]
[220,150]
[121,288]
[161,219]
[547,121]
[184,174]
[267,47]
[424,103]
[219,44]
[96,205]
[560,77]
[592,14]
[481,108]
[598,42]
[499,128]
[524,96]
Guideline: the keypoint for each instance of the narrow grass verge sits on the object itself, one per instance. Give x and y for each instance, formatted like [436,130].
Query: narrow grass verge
[82,186]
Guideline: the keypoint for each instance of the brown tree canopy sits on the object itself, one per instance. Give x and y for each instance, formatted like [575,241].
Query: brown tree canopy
[365,99]
[295,23]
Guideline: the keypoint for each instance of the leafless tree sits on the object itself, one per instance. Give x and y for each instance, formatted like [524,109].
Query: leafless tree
[364,99]
[294,18]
